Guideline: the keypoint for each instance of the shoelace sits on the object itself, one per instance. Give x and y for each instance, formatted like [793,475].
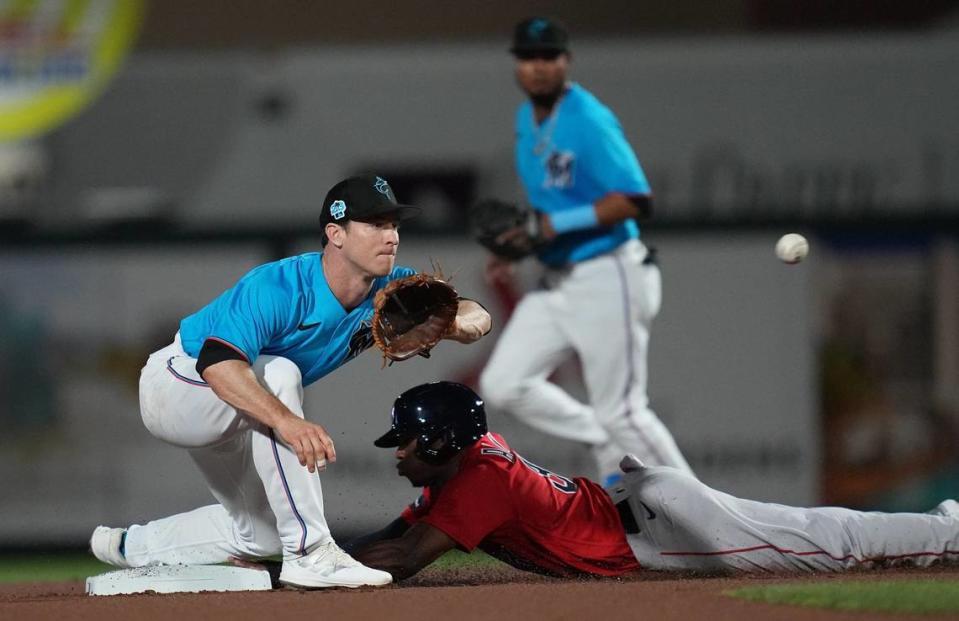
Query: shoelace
[343,559]
[331,552]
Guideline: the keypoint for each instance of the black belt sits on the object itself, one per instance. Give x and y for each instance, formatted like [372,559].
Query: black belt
[650,258]
[627,518]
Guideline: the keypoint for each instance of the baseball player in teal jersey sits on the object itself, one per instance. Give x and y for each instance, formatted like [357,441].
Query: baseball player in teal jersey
[229,389]
[602,289]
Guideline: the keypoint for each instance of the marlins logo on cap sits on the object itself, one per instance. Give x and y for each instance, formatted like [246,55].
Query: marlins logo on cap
[384,188]
[536,28]
[539,34]
[337,209]
[362,197]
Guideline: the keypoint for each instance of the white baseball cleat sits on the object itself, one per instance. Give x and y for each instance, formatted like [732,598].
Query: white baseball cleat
[105,545]
[326,565]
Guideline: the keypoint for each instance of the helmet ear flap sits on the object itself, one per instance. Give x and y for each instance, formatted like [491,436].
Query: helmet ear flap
[436,448]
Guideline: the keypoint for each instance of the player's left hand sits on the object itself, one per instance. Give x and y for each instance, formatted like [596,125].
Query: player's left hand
[472,323]
[412,314]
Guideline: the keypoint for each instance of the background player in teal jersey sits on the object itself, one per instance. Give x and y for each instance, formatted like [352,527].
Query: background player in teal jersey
[602,289]
[229,389]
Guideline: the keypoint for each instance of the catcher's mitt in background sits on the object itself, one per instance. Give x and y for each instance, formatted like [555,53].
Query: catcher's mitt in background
[412,314]
[505,229]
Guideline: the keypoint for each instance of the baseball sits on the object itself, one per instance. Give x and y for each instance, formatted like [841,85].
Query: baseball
[792,248]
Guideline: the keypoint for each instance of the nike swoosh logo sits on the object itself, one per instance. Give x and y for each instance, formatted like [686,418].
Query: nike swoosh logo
[307,326]
[650,514]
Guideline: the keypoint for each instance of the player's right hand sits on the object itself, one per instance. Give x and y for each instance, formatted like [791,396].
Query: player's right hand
[309,441]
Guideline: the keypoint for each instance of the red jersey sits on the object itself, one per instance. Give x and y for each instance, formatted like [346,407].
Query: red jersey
[526,515]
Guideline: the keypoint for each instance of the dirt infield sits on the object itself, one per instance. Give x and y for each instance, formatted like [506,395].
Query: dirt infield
[462,595]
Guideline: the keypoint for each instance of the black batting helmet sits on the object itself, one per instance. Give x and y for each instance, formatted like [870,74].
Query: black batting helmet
[444,417]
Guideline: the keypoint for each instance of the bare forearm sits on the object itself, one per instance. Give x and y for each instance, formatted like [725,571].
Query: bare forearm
[616,207]
[391,556]
[395,529]
[471,324]
[233,381]
[404,556]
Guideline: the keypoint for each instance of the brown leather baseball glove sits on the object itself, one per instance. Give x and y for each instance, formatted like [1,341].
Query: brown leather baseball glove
[412,314]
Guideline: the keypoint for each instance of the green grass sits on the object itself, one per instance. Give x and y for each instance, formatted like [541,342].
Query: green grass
[59,567]
[49,567]
[454,559]
[902,596]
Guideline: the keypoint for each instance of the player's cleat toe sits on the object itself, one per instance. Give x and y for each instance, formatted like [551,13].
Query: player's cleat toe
[105,544]
[946,508]
[326,565]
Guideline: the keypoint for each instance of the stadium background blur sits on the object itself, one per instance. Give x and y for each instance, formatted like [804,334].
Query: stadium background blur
[830,382]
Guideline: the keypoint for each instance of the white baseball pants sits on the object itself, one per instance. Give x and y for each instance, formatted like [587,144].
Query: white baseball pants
[268,502]
[601,310]
[685,525]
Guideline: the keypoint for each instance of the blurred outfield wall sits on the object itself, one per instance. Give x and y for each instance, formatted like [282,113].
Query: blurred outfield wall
[765,127]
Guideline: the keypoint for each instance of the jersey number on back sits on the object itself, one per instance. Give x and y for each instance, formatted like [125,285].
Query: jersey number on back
[559,482]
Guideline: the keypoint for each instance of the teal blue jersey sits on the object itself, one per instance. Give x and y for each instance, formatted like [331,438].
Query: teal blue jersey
[286,308]
[572,159]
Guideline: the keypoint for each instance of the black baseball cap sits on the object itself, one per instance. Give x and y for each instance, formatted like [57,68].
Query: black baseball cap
[539,34]
[362,197]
